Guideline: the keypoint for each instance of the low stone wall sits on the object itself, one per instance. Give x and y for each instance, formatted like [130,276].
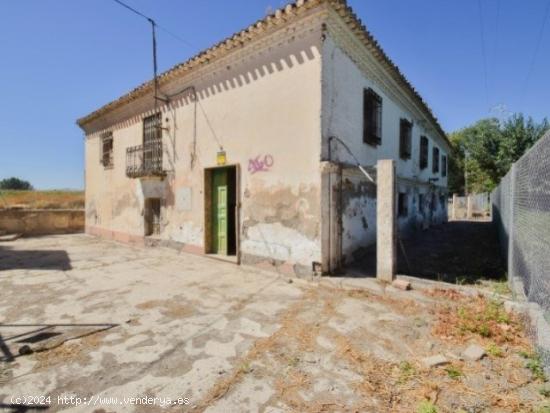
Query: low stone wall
[41,221]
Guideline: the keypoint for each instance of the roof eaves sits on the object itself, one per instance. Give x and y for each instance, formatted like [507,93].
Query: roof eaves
[242,37]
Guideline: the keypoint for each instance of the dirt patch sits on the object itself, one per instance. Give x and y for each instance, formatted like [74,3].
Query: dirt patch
[168,308]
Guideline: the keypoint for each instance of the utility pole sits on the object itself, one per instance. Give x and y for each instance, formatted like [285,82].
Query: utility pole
[466,154]
[155,70]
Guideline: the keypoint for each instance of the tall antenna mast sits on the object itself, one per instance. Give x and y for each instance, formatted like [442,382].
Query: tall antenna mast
[154,32]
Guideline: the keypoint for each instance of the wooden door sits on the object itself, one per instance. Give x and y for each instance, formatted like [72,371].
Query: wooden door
[219,211]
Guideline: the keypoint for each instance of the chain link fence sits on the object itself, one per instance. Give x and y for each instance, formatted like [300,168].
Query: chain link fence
[521,211]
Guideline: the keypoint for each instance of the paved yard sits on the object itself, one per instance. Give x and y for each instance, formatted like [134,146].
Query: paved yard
[106,323]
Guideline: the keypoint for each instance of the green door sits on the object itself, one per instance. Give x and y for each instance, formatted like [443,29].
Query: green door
[219,211]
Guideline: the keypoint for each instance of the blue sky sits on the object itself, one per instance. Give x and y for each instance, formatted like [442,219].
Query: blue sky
[61,59]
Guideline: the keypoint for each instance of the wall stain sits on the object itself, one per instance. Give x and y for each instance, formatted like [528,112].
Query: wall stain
[297,210]
[127,200]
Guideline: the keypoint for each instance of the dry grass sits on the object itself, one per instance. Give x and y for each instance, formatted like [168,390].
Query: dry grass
[462,318]
[72,351]
[42,199]
[387,386]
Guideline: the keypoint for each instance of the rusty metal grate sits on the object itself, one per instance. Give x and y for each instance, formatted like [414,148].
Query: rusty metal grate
[146,160]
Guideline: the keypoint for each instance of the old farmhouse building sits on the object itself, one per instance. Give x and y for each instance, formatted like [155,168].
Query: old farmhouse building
[251,151]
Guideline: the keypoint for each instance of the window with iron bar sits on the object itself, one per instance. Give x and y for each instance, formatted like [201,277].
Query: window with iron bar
[435,160]
[107,150]
[405,139]
[152,144]
[423,157]
[372,117]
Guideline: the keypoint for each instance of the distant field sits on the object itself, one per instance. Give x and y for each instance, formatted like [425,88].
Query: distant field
[42,199]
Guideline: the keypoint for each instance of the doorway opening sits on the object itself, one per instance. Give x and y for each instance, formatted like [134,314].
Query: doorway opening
[152,217]
[221,214]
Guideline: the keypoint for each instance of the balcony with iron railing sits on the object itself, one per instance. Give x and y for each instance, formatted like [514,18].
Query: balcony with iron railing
[144,161]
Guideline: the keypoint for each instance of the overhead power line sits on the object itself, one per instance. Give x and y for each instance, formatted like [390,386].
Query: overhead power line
[536,52]
[483,53]
[150,19]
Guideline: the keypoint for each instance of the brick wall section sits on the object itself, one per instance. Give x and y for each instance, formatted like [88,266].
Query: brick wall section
[42,221]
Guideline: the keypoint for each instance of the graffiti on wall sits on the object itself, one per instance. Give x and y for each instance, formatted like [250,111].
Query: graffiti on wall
[260,163]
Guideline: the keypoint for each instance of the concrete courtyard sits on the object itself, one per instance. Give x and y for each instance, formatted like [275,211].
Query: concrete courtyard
[143,330]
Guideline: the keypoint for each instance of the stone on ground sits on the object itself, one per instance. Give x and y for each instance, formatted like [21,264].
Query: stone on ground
[434,361]
[401,284]
[474,352]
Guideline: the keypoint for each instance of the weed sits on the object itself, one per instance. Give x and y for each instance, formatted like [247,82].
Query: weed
[501,287]
[494,350]
[494,311]
[293,361]
[483,330]
[481,320]
[245,368]
[542,409]
[426,407]
[544,391]
[534,364]
[406,371]
[453,372]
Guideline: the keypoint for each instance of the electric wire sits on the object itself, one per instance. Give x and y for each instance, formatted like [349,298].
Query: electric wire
[483,52]
[152,21]
[536,52]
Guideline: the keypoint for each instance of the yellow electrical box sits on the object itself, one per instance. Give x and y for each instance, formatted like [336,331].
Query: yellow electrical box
[221,158]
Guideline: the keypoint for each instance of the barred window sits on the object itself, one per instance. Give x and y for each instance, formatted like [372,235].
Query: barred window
[405,138]
[435,160]
[151,129]
[423,157]
[372,117]
[444,165]
[107,150]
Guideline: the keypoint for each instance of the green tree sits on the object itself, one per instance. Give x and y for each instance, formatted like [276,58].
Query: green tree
[484,152]
[15,183]
[518,135]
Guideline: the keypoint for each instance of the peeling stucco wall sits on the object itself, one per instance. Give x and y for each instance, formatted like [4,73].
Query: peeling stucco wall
[263,105]
[347,71]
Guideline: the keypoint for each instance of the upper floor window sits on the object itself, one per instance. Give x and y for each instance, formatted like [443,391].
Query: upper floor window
[435,160]
[372,117]
[152,132]
[405,139]
[423,158]
[444,165]
[107,150]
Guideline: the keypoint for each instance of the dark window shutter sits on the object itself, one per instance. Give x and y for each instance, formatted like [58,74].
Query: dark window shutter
[372,117]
